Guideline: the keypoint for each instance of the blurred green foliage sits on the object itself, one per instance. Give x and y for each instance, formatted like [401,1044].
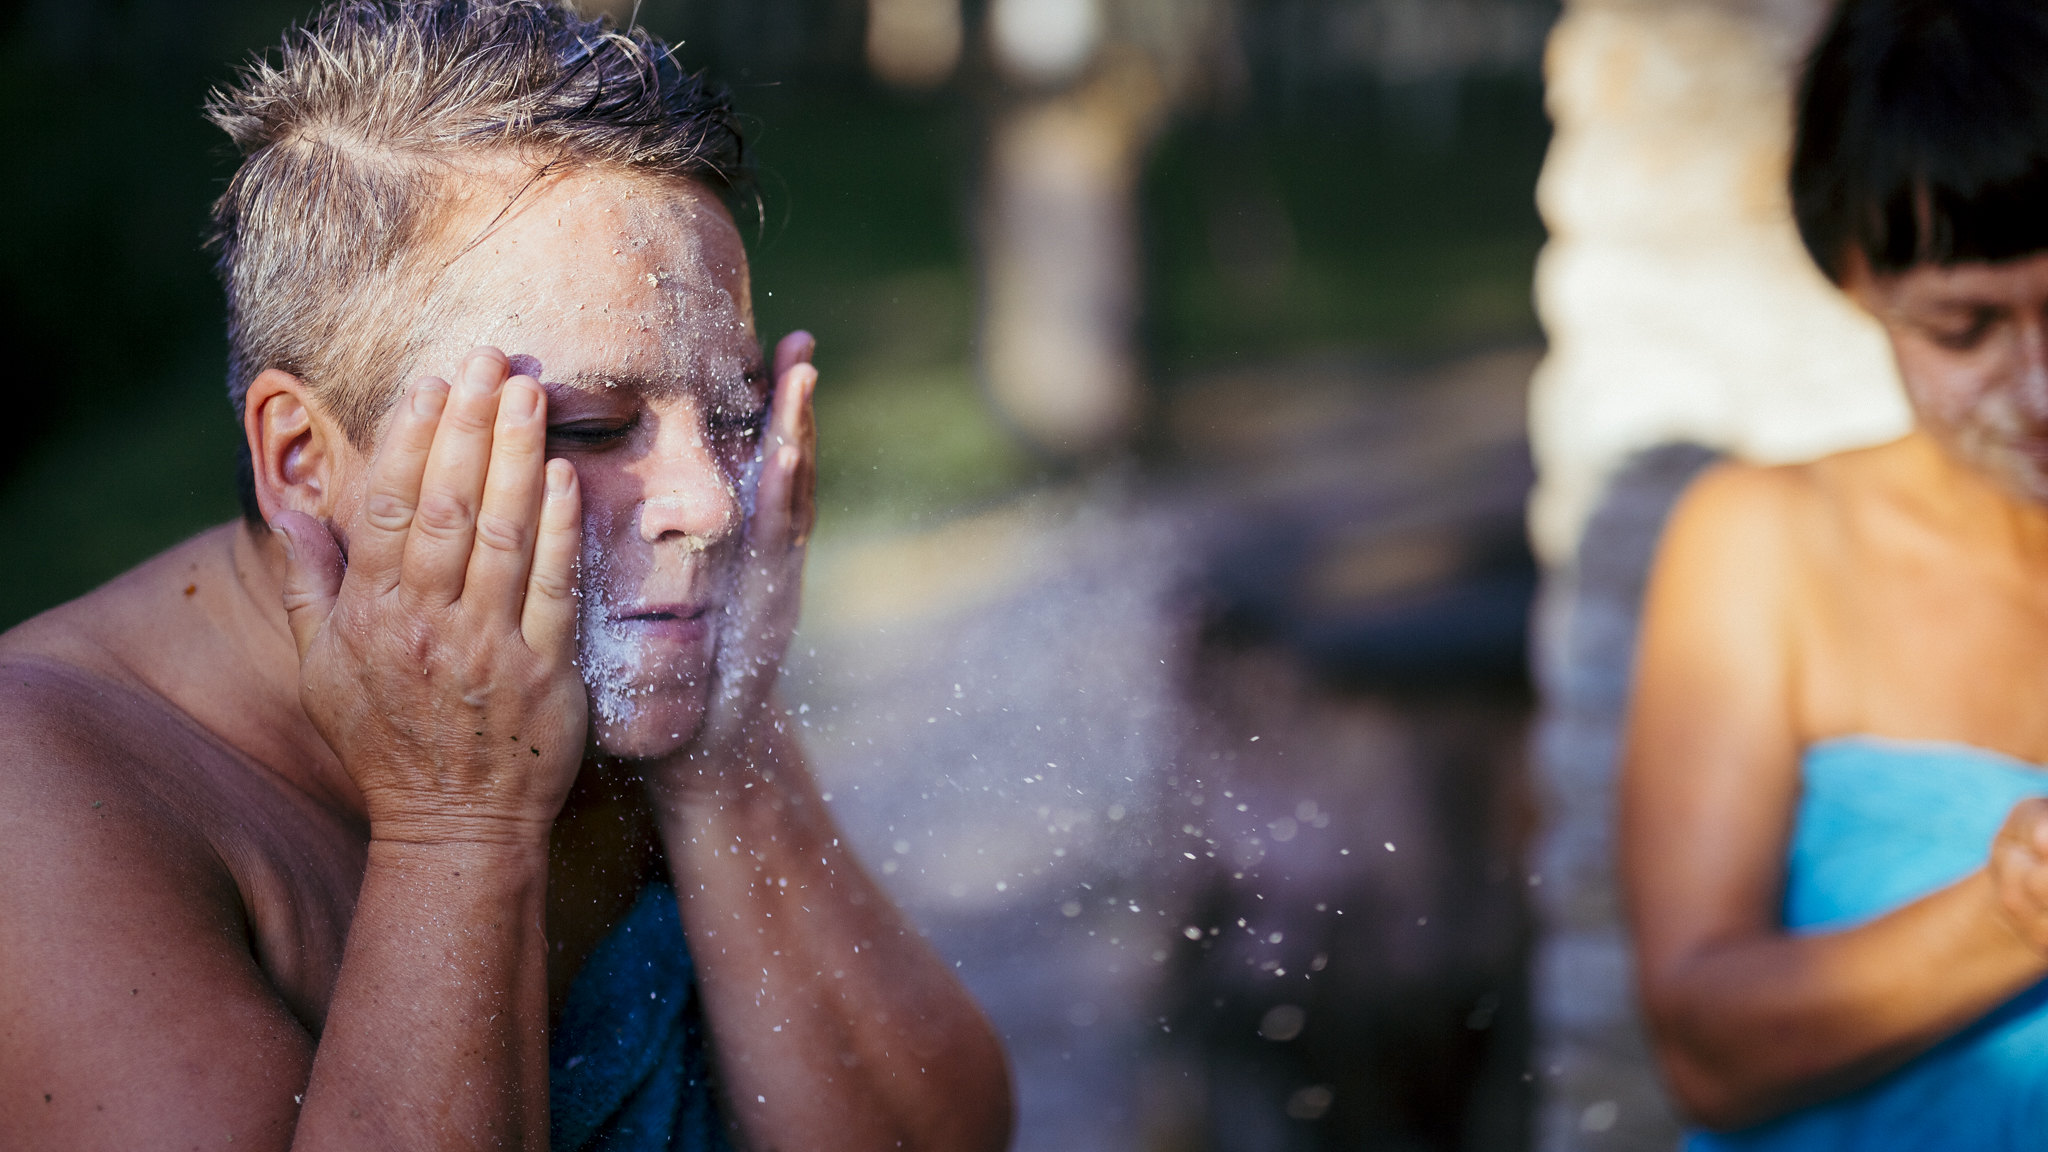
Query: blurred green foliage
[1399,219]
[1271,229]
[866,242]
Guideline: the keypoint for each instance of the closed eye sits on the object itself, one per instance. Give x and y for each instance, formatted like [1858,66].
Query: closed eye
[1961,337]
[590,433]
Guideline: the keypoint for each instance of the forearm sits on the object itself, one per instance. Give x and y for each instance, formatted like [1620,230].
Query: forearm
[437,1033]
[1751,1028]
[835,1025]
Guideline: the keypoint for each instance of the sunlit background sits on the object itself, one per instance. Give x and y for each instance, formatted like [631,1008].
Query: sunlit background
[1164,648]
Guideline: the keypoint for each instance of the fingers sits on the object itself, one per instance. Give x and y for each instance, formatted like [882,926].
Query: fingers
[548,620]
[313,572]
[773,529]
[2029,820]
[377,545]
[2026,827]
[437,551]
[792,350]
[785,508]
[2019,870]
[804,498]
[495,583]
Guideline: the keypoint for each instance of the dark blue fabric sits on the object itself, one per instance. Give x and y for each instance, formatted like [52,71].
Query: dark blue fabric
[1882,823]
[628,1070]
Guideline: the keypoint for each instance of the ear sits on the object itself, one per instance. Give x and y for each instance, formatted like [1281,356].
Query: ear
[295,448]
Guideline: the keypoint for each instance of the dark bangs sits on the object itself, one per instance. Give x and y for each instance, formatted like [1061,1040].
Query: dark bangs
[1923,134]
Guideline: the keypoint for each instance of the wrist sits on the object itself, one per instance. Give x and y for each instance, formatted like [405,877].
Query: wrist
[444,820]
[743,766]
[456,882]
[464,887]
[481,852]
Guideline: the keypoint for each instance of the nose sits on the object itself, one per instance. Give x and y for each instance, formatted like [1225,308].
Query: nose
[687,494]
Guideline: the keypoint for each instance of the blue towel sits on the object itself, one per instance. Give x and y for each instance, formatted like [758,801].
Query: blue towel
[627,1067]
[1882,823]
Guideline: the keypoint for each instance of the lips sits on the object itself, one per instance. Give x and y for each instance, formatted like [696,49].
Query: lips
[682,622]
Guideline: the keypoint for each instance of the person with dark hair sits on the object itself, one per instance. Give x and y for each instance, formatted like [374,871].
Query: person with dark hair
[1834,840]
[443,800]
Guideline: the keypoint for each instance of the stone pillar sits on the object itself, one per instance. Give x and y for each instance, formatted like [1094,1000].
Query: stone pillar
[1680,308]
[1678,301]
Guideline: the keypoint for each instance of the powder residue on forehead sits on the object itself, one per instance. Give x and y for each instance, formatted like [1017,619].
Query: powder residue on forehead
[699,281]
[600,275]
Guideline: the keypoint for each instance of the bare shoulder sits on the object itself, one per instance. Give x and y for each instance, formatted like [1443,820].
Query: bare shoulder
[83,708]
[1782,526]
[133,1006]
[1741,556]
[1740,496]
[133,608]
[1745,522]
[69,728]
[86,819]
[82,738]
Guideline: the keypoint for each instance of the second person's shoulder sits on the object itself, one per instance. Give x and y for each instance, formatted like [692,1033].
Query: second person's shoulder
[1759,505]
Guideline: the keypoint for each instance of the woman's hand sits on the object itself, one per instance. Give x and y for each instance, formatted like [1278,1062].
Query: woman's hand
[2019,872]
[438,659]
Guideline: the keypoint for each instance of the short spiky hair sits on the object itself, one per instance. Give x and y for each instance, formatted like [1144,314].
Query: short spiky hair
[328,230]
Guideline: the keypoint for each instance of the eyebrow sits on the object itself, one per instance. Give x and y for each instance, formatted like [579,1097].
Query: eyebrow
[644,384]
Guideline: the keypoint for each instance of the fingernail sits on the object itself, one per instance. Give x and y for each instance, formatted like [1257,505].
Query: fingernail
[480,378]
[560,473]
[429,397]
[521,400]
[785,458]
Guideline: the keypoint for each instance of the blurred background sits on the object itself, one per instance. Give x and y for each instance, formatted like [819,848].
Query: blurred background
[1165,647]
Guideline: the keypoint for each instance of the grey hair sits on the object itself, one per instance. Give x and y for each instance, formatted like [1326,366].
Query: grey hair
[328,234]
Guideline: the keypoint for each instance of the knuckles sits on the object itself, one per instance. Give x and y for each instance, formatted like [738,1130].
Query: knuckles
[442,515]
[385,512]
[502,533]
[552,585]
[474,419]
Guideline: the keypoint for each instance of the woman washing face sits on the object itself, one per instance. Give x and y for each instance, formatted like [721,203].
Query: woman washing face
[1833,840]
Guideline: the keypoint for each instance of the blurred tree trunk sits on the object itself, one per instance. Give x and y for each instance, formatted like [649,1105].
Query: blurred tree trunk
[1090,84]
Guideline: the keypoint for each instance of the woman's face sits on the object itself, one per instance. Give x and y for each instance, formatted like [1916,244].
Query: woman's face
[1972,348]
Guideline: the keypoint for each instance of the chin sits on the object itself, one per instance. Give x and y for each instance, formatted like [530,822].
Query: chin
[2028,483]
[648,688]
[645,722]
[2019,471]
[2001,439]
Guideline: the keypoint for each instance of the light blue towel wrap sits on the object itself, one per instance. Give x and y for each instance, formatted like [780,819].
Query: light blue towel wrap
[1882,823]
[628,1070]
